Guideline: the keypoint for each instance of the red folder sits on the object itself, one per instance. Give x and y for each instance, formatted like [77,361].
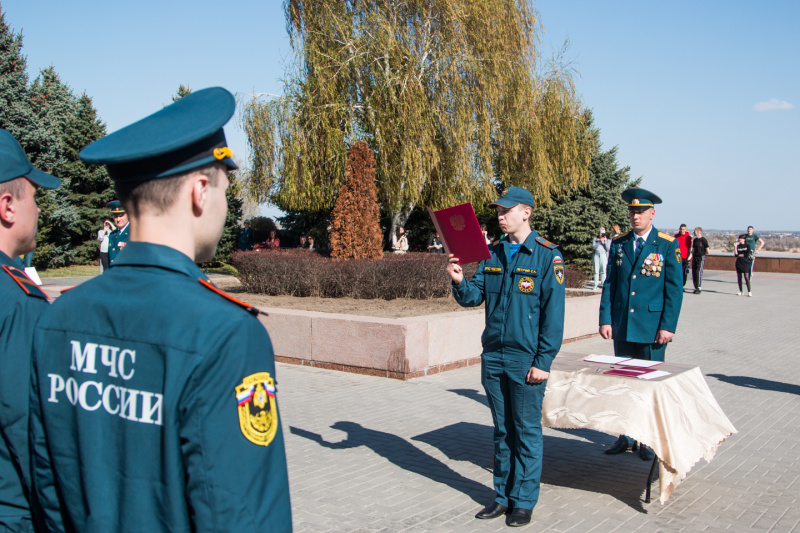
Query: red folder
[633,372]
[461,233]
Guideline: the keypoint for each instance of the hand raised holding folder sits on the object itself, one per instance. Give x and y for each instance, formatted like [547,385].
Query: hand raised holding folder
[461,233]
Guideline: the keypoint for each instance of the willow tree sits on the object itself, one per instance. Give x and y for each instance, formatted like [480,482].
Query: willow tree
[452,95]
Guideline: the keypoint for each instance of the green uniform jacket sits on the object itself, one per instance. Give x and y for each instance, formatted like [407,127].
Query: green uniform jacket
[640,299]
[117,240]
[524,301]
[22,303]
[153,406]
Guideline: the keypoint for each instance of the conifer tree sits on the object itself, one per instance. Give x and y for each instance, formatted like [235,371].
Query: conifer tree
[355,220]
[14,109]
[573,220]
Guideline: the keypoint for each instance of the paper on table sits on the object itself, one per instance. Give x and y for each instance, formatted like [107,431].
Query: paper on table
[654,374]
[642,363]
[606,359]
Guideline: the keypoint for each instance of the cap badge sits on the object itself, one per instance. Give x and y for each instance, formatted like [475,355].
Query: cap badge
[222,153]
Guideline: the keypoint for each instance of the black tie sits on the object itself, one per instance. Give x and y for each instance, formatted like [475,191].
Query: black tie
[639,246]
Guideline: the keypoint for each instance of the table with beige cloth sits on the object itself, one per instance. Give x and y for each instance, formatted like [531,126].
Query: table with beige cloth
[676,415]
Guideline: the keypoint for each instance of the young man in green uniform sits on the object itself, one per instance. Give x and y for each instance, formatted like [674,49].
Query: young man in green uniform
[523,287]
[153,405]
[117,239]
[643,293]
[22,303]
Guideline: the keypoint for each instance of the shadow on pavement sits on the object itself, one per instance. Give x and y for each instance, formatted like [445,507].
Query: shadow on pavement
[569,463]
[402,453]
[472,394]
[758,383]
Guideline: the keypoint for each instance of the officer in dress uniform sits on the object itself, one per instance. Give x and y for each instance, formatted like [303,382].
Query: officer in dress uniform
[22,303]
[523,287]
[643,293]
[163,417]
[117,239]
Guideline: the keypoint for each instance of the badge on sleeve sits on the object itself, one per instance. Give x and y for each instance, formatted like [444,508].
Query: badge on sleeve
[558,270]
[258,412]
[678,254]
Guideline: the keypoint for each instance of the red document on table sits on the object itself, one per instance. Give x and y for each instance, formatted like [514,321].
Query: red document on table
[630,371]
[461,233]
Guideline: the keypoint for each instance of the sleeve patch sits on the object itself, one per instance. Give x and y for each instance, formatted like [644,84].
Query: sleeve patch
[558,270]
[258,411]
[249,308]
[544,242]
[25,283]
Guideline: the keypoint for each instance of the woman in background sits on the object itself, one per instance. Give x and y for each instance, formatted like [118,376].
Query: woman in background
[273,243]
[600,249]
[744,258]
[400,241]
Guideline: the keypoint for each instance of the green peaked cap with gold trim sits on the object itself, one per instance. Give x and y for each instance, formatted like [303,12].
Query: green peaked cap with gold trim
[180,137]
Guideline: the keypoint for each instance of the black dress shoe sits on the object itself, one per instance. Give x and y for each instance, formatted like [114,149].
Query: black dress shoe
[519,517]
[618,447]
[493,510]
[645,453]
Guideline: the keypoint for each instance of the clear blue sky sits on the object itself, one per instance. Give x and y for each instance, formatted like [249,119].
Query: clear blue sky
[702,98]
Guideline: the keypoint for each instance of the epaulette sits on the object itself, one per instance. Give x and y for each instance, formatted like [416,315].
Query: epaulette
[547,244]
[620,236]
[25,283]
[670,238]
[247,307]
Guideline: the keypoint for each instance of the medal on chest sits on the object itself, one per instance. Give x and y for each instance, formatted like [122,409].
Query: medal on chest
[652,265]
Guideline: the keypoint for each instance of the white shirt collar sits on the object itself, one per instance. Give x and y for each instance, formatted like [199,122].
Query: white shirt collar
[645,236]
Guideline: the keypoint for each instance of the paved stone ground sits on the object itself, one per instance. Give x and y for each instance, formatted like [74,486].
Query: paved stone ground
[373,454]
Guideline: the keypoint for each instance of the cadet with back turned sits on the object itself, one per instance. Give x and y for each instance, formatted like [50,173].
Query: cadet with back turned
[22,303]
[154,395]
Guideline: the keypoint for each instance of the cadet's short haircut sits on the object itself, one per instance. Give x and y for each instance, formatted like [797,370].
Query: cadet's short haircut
[13,187]
[159,194]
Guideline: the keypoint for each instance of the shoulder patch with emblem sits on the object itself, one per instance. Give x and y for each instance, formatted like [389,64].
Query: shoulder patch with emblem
[249,308]
[25,283]
[678,255]
[621,236]
[547,244]
[558,270]
[670,238]
[258,411]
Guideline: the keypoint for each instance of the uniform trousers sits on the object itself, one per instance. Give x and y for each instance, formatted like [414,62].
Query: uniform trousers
[516,408]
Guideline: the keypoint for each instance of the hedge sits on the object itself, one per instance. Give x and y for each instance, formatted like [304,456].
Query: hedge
[308,273]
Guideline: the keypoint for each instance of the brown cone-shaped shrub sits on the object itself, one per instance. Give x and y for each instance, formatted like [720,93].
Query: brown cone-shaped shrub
[355,219]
